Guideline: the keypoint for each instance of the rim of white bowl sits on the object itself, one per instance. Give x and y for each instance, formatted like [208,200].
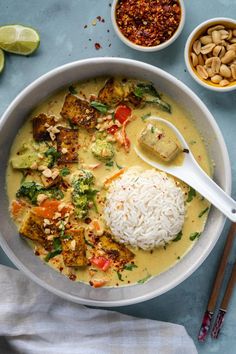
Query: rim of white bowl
[143,48]
[228,181]
[202,25]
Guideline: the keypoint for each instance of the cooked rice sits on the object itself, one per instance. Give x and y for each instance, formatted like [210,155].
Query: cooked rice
[144,208]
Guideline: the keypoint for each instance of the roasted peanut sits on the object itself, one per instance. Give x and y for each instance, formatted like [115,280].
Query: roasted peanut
[197,47]
[225,71]
[194,59]
[202,72]
[224,83]
[216,51]
[200,59]
[216,79]
[215,65]
[215,28]
[206,40]
[228,57]
[216,37]
[207,48]
[233,71]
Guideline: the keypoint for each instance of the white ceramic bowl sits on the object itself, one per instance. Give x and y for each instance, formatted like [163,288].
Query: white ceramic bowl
[19,251]
[194,35]
[143,48]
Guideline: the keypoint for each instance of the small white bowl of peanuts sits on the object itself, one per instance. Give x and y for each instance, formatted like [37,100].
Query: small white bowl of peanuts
[210,54]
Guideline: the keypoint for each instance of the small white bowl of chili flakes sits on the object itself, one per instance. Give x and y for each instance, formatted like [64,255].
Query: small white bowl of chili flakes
[148,25]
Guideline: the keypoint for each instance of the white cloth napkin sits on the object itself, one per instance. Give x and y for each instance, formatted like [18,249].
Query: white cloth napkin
[34,321]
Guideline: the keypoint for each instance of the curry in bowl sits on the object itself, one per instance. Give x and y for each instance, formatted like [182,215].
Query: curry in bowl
[82,198]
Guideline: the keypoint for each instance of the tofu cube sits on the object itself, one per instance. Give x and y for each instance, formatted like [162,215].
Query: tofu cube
[112,93]
[40,125]
[67,145]
[79,112]
[74,248]
[159,143]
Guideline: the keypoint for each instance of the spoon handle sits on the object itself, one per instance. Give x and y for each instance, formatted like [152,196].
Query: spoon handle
[200,181]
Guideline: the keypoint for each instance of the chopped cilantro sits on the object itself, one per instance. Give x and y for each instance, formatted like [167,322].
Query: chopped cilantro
[145,116]
[118,166]
[178,237]
[72,90]
[66,237]
[31,190]
[152,129]
[191,194]
[64,171]
[166,107]
[88,243]
[194,235]
[57,249]
[142,281]
[145,88]
[120,276]
[203,212]
[130,266]
[109,163]
[99,106]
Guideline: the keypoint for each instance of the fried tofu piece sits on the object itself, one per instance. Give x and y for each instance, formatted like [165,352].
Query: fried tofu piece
[159,143]
[112,93]
[116,251]
[79,112]
[40,125]
[74,248]
[32,228]
[67,145]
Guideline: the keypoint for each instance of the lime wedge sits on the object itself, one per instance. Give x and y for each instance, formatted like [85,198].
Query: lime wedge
[2,60]
[19,39]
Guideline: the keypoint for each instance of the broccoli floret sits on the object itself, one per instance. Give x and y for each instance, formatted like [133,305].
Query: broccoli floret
[102,150]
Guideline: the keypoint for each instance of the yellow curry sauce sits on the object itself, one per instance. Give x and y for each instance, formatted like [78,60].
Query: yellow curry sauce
[145,263]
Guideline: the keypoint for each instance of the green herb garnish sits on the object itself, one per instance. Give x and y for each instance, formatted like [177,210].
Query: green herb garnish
[145,116]
[88,243]
[143,88]
[31,190]
[194,235]
[64,171]
[72,90]
[203,212]
[120,276]
[130,266]
[166,107]
[57,249]
[54,193]
[99,106]
[152,130]
[191,194]
[141,281]
[109,163]
[66,237]
[53,154]
[178,237]
[118,166]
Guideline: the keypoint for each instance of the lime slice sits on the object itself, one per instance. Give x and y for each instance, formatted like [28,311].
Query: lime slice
[2,60]
[19,39]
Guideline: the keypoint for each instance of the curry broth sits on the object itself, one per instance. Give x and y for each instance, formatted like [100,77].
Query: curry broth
[148,263]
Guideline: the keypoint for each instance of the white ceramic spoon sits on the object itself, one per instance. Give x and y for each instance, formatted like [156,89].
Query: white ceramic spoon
[192,174]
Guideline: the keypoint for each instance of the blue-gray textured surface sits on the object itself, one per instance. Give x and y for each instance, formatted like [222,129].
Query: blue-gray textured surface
[64,39]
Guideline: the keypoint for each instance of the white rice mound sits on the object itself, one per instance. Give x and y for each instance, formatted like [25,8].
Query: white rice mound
[144,208]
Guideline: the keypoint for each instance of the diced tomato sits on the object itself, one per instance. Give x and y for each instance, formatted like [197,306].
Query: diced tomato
[48,208]
[101,262]
[98,283]
[122,113]
[113,129]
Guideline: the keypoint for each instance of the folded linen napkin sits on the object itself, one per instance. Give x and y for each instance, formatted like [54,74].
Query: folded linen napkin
[34,321]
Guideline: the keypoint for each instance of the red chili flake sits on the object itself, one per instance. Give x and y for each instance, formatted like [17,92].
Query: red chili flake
[72,277]
[99,18]
[186,151]
[97,46]
[85,26]
[148,22]
[36,253]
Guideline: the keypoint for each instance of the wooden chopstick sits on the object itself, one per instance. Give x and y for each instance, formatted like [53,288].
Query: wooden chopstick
[224,304]
[206,322]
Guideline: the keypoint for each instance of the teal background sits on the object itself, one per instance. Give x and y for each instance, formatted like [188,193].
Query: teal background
[64,39]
